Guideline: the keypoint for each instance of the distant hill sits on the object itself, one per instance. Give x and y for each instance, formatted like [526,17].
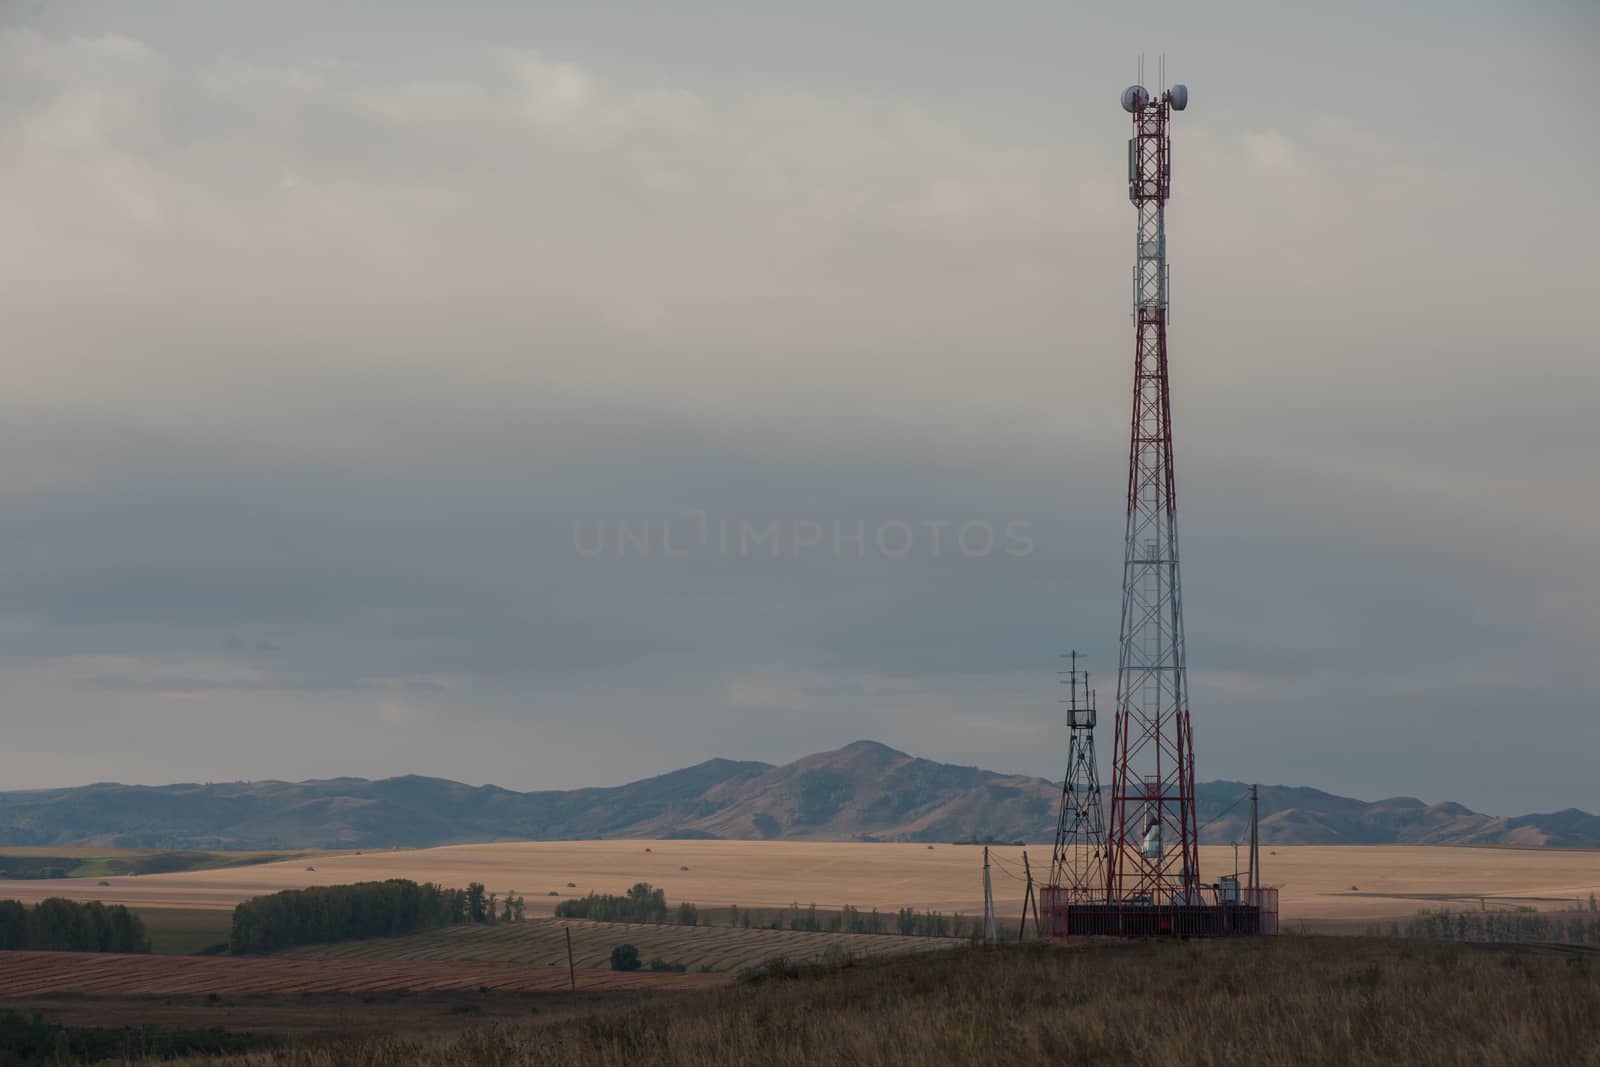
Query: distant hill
[864,791]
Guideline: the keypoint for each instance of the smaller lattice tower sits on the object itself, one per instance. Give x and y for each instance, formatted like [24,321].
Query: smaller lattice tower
[1078,866]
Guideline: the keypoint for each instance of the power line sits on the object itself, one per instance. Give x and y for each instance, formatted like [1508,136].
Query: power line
[1242,798]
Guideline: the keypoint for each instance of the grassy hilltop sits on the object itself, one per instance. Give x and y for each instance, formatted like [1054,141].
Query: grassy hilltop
[1287,1000]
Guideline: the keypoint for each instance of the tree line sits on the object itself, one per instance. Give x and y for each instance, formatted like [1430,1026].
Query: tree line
[908,922]
[646,904]
[57,925]
[1577,927]
[640,904]
[322,914]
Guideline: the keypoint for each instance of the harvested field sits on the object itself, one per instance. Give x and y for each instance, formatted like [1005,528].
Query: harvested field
[543,942]
[70,861]
[185,931]
[1323,886]
[31,974]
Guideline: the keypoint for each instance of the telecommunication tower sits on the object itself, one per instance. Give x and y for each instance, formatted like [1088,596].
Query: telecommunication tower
[1078,865]
[1153,856]
[1148,882]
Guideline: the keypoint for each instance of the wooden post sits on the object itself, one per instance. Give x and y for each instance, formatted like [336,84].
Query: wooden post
[1254,881]
[1030,898]
[1027,895]
[572,972]
[990,935]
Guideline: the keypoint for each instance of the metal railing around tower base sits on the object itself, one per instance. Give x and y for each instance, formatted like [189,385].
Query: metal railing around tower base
[1255,912]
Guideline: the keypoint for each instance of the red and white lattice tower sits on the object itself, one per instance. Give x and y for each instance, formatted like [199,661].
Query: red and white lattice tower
[1152,858]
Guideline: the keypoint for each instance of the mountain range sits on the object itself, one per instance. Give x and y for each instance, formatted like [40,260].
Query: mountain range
[864,791]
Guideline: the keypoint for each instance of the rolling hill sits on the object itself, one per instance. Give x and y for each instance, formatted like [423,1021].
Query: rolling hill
[864,791]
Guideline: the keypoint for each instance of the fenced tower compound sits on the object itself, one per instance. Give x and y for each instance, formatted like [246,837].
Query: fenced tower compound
[1153,852]
[1078,864]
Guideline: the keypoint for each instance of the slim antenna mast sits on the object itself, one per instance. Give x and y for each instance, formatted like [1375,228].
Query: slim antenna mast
[1077,866]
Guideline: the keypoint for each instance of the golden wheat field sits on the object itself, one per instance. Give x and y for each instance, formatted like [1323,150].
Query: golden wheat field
[1325,886]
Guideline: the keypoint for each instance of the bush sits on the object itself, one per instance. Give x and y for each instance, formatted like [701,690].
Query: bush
[34,1041]
[1524,924]
[624,958]
[659,964]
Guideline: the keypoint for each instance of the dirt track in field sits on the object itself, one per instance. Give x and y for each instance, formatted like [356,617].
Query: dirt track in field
[27,974]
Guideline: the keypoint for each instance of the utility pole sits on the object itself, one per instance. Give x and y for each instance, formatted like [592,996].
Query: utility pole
[990,934]
[1028,899]
[1255,842]
[572,972]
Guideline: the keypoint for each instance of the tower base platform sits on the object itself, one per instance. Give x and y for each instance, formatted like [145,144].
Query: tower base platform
[1256,914]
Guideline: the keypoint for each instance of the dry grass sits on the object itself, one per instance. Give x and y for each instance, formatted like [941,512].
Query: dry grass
[1286,1000]
[542,942]
[1392,882]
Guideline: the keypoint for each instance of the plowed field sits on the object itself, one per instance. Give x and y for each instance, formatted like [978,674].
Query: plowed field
[24,974]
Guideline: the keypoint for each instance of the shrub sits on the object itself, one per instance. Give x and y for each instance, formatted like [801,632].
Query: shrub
[624,958]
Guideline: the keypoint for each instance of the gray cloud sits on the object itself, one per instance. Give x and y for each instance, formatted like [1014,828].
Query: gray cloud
[320,356]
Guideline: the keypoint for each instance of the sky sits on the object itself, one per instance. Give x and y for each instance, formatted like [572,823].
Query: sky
[556,395]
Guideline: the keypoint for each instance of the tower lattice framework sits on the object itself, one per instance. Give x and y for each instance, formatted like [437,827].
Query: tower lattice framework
[1152,854]
[1078,864]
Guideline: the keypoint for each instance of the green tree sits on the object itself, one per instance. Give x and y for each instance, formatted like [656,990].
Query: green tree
[332,913]
[624,958]
[642,904]
[475,902]
[13,924]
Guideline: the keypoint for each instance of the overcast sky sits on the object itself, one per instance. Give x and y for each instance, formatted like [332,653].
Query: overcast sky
[339,344]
